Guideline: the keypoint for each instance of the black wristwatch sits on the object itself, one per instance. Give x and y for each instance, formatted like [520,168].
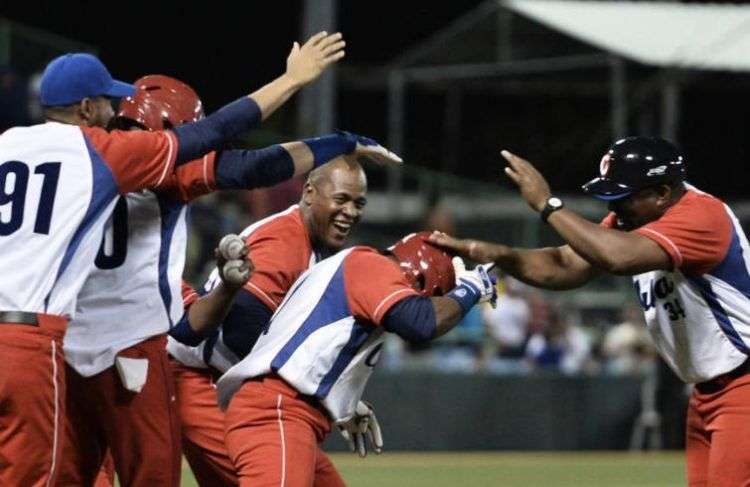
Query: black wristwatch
[553,204]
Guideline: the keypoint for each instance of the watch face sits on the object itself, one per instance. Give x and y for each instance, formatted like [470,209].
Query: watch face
[554,202]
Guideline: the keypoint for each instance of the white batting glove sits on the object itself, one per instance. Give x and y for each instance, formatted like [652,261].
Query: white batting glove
[476,281]
[363,426]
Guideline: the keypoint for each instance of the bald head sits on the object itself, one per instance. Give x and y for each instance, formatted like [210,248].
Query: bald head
[333,201]
[340,167]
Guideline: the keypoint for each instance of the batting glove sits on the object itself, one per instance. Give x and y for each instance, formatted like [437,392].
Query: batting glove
[364,425]
[475,286]
[368,149]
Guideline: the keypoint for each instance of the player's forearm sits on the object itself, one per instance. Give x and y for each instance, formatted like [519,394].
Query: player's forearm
[197,139]
[207,313]
[309,154]
[448,313]
[545,268]
[419,319]
[248,169]
[610,250]
[204,316]
[271,96]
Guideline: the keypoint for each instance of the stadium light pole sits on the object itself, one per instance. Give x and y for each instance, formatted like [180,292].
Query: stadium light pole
[618,97]
[317,103]
[670,108]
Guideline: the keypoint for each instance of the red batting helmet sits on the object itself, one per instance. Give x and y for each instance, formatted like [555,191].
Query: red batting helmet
[429,269]
[161,102]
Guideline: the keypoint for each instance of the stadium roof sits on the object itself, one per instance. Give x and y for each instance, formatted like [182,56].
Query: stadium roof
[697,36]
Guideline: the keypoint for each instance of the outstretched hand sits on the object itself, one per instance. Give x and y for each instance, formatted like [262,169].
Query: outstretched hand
[367,149]
[475,250]
[530,182]
[307,62]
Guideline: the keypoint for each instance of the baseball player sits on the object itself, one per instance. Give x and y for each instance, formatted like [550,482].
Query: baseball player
[687,254]
[283,246]
[144,261]
[60,182]
[310,366]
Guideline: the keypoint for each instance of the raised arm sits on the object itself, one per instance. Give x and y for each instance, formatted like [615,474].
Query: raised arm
[590,249]
[247,169]
[613,251]
[304,65]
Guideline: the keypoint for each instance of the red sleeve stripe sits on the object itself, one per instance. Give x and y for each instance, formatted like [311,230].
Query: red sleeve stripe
[665,242]
[205,173]
[389,300]
[262,296]
[171,156]
[188,297]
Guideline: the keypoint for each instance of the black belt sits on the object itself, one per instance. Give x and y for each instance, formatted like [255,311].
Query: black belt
[18,318]
[720,382]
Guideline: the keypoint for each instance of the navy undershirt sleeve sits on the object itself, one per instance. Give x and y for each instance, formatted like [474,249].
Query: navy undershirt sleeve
[197,139]
[329,146]
[247,169]
[247,319]
[184,333]
[413,319]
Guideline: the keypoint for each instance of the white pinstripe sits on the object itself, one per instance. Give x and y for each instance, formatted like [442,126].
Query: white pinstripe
[283,442]
[55,432]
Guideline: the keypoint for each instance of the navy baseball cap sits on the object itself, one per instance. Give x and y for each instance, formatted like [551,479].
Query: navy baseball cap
[634,163]
[70,78]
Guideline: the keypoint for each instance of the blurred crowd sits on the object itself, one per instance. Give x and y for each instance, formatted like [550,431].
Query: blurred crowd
[529,333]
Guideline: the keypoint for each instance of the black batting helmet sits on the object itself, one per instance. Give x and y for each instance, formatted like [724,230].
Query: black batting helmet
[634,163]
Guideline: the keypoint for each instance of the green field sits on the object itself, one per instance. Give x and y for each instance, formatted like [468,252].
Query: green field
[505,469]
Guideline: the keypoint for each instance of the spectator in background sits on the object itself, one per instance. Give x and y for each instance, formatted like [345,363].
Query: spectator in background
[438,217]
[506,326]
[558,346]
[34,109]
[262,202]
[12,99]
[627,348]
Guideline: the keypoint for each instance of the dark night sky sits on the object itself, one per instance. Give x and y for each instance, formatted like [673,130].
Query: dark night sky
[225,49]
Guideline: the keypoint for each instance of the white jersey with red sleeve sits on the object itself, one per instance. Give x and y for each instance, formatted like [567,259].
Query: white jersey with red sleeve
[279,247]
[326,336]
[58,186]
[699,313]
[133,292]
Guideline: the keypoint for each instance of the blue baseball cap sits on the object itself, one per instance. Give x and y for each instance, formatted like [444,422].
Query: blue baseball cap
[70,78]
